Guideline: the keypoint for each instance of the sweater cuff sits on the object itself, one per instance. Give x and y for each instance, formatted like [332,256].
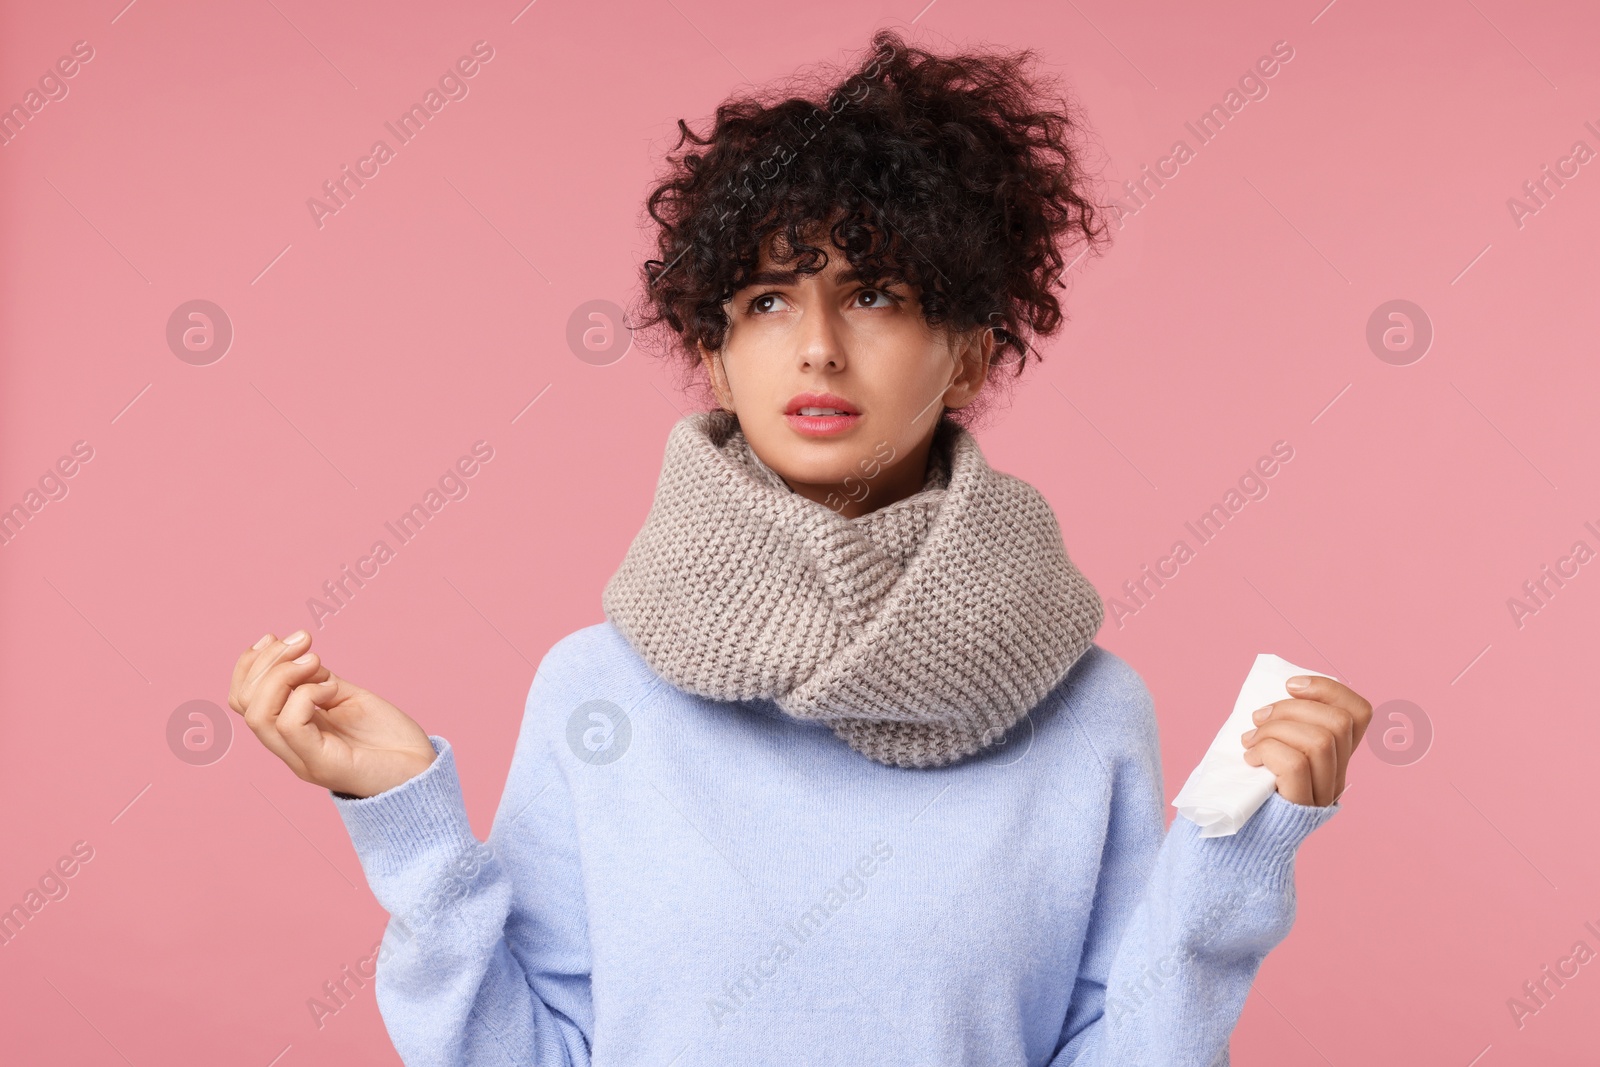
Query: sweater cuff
[1265,846]
[424,815]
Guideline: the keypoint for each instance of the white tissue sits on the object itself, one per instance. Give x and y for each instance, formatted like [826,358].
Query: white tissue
[1224,791]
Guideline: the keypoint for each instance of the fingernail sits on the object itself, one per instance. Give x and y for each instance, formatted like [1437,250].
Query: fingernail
[265,640]
[1248,735]
[1260,714]
[1299,681]
[295,638]
[304,659]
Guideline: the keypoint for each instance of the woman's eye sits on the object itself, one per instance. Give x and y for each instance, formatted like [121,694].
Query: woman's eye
[766,303]
[874,298]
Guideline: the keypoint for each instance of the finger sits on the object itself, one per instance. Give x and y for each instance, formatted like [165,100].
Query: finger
[241,670]
[1320,687]
[1289,765]
[1318,747]
[276,652]
[271,692]
[273,687]
[261,660]
[1336,720]
[294,723]
[327,691]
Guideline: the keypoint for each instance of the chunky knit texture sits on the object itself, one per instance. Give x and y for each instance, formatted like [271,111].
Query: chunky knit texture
[919,632]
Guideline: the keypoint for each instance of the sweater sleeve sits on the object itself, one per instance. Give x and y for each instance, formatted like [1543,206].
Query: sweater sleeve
[475,970]
[1180,923]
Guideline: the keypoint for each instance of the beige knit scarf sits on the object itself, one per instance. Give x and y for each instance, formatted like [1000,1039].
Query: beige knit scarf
[919,632]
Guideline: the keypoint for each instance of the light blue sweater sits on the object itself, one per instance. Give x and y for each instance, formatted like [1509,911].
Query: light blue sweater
[672,881]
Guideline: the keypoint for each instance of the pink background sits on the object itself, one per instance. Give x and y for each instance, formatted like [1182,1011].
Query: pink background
[369,354]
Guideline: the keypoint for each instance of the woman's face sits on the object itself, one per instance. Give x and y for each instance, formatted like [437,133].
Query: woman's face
[838,386]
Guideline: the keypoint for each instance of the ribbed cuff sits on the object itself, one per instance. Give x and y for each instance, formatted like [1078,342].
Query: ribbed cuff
[421,816]
[1265,845]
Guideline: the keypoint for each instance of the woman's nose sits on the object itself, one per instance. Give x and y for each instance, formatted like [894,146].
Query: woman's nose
[821,341]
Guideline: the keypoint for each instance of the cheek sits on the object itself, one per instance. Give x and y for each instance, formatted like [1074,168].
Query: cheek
[749,361]
[905,407]
[905,371]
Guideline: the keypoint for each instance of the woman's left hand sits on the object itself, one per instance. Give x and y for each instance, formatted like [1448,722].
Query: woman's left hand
[1306,740]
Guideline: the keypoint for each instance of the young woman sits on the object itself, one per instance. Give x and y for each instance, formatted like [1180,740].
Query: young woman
[842,778]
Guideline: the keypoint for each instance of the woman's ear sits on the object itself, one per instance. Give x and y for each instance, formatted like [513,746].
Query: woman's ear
[718,375]
[973,355]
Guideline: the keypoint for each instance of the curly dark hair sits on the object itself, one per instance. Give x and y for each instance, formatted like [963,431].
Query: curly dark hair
[960,175]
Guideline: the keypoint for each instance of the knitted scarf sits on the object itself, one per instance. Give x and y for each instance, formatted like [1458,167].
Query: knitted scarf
[919,632]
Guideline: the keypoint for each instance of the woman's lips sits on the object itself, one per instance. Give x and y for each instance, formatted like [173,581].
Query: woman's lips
[821,425]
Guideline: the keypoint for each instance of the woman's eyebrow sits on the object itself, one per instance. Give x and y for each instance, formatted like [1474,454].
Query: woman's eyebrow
[791,277]
[772,277]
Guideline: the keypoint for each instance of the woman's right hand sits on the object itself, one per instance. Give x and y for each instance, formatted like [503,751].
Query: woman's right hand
[331,733]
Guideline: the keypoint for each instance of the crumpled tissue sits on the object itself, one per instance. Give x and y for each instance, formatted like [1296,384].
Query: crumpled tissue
[1223,791]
